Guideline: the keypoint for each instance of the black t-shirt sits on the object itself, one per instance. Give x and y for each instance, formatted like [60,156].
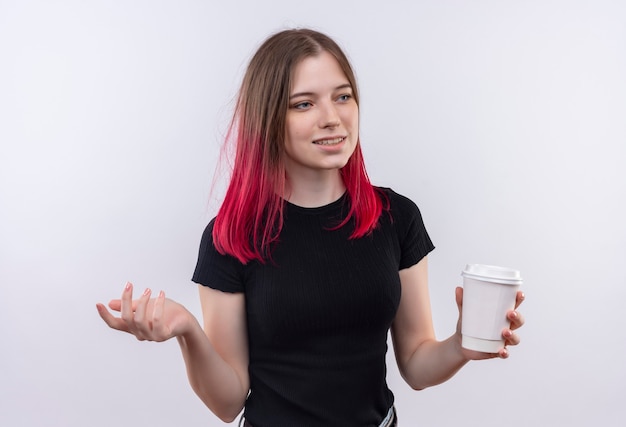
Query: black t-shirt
[318,314]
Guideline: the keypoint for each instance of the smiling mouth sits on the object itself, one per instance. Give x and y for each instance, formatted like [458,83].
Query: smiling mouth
[333,141]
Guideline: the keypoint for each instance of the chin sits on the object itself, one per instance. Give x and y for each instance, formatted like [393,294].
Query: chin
[336,166]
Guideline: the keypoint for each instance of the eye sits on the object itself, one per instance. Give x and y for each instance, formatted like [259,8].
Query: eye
[344,98]
[304,105]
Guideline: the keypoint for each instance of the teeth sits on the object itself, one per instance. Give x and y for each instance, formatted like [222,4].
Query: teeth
[328,141]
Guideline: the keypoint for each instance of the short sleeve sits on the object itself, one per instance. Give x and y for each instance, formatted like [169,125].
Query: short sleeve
[217,271]
[414,240]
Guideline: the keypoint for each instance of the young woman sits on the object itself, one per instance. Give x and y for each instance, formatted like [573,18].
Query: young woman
[307,266]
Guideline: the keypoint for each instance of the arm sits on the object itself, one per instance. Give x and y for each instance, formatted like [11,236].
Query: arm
[422,360]
[216,359]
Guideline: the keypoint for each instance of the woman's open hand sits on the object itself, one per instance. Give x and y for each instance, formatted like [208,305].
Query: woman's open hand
[149,319]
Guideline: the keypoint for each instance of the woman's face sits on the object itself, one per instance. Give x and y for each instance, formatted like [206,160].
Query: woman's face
[322,124]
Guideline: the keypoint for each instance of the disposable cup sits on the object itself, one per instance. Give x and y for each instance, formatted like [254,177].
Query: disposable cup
[488,294]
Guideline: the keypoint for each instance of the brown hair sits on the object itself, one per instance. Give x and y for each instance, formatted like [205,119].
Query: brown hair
[264,95]
[250,218]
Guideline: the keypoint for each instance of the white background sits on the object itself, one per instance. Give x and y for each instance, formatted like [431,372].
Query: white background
[505,121]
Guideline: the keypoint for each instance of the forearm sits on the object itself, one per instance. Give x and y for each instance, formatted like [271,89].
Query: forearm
[214,381]
[433,362]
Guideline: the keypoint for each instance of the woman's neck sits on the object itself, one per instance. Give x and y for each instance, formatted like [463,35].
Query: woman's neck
[312,193]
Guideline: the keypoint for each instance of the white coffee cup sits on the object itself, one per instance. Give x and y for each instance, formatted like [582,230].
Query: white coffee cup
[489,292]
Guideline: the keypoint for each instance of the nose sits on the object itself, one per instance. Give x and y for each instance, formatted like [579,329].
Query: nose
[329,118]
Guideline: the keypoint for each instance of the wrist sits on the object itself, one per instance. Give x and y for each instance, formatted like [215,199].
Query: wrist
[189,325]
[457,343]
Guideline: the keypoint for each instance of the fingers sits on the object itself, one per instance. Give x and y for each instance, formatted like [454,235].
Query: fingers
[516,319]
[115,304]
[126,308]
[157,313]
[510,337]
[112,321]
[141,318]
[136,313]
[519,298]
[134,316]
[157,317]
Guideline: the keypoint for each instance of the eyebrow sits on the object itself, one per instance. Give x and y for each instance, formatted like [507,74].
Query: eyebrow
[343,86]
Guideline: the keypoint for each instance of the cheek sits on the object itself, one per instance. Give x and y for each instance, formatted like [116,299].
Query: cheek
[351,116]
[295,129]
[354,126]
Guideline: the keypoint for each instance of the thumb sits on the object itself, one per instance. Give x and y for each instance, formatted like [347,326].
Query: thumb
[458,293]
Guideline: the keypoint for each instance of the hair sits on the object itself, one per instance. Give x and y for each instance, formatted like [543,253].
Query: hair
[250,218]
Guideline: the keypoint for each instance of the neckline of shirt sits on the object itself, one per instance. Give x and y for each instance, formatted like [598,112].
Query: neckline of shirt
[332,206]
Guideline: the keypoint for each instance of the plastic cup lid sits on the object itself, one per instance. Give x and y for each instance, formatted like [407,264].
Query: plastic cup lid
[492,273]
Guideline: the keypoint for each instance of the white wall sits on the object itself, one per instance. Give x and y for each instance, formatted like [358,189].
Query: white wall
[503,120]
